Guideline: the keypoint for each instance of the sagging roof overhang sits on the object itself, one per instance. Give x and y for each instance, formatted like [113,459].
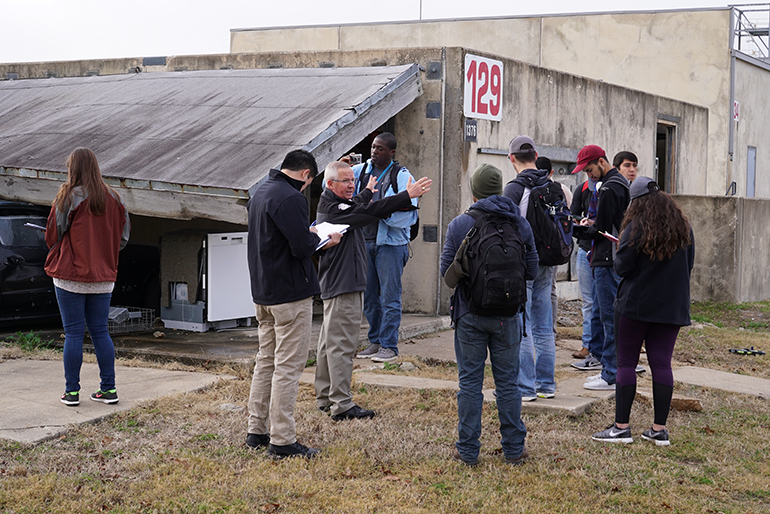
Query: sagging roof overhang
[190,144]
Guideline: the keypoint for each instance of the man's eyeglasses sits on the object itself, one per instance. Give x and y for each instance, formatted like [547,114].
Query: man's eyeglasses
[345,181]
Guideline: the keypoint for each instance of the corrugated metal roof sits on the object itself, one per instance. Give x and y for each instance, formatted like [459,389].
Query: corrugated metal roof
[213,129]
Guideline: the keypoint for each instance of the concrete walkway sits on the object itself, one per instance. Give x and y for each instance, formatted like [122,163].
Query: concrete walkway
[30,410]
[571,399]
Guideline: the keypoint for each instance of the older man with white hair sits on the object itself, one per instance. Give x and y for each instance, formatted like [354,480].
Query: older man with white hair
[342,273]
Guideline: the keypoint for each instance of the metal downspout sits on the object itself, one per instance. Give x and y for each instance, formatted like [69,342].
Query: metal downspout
[731,143]
[442,173]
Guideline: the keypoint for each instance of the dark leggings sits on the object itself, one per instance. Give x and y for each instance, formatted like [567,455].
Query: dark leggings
[659,338]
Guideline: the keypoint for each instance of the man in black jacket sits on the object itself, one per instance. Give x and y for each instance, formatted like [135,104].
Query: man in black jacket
[342,272]
[283,282]
[611,207]
[537,363]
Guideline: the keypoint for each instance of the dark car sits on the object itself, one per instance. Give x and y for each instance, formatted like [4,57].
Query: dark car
[27,293]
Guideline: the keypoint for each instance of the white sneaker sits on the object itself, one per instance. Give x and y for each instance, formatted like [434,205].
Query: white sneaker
[640,369]
[593,378]
[599,385]
[528,398]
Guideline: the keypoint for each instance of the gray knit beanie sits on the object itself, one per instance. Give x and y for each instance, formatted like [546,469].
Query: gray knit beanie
[486,181]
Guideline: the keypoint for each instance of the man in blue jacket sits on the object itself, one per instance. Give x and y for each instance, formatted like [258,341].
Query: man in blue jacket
[387,245]
[475,334]
[283,282]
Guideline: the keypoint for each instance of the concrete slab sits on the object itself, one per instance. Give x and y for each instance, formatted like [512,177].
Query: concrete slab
[231,346]
[722,380]
[30,410]
[571,399]
[678,401]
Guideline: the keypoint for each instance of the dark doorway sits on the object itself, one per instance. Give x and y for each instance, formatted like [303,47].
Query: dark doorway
[665,156]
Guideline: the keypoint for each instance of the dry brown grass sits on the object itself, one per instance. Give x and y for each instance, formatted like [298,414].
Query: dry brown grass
[185,454]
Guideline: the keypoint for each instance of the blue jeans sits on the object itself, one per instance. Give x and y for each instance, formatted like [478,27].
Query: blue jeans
[474,335]
[538,347]
[606,282]
[382,299]
[77,312]
[596,340]
[586,282]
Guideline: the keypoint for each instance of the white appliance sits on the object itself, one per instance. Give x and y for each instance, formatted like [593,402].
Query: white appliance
[228,286]
[225,300]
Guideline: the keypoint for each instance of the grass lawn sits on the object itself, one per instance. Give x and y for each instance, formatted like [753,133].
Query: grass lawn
[186,454]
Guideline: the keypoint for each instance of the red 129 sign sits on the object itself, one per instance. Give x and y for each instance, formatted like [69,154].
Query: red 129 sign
[483,91]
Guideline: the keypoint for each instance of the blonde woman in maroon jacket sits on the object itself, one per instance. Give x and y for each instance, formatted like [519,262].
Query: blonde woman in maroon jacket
[87,227]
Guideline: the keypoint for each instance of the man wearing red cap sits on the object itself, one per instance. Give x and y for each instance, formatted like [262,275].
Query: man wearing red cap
[611,207]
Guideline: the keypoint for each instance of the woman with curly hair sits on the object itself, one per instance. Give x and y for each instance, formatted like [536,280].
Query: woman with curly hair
[87,227]
[654,260]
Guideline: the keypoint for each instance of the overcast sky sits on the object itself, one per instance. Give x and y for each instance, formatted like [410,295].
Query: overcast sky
[53,30]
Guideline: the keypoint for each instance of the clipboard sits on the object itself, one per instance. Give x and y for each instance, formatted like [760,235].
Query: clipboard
[609,236]
[326,229]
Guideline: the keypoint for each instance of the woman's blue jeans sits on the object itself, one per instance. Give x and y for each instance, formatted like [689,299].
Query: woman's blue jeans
[77,312]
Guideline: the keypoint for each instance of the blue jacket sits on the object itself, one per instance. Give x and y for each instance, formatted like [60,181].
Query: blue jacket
[393,230]
[460,226]
[280,243]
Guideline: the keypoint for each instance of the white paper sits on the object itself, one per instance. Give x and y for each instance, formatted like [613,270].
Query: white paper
[326,229]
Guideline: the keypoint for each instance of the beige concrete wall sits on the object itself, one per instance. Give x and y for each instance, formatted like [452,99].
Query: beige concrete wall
[513,37]
[715,222]
[38,70]
[732,263]
[754,257]
[308,39]
[683,55]
[752,90]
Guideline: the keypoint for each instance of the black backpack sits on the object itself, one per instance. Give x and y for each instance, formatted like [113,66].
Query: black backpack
[551,220]
[363,179]
[495,255]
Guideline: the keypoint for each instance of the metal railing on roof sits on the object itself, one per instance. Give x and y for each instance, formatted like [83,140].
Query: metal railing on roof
[751,30]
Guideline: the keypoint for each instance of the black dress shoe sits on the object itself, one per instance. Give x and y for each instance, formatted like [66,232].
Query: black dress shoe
[292,450]
[355,412]
[257,440]
[325,408]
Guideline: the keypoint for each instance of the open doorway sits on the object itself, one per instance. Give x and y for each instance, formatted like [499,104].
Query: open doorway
[363,147]
[665,156]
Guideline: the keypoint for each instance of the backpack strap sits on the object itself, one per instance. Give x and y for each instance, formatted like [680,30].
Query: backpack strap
[363,175]
[617,180]
[394,171]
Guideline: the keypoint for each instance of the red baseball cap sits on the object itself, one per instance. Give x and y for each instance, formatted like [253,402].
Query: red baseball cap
[587,154]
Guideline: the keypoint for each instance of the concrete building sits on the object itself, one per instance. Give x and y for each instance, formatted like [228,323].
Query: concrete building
[154,137]
[716,57]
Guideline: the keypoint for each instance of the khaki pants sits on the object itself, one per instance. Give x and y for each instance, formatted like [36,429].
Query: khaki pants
[337,344]
[284,340]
